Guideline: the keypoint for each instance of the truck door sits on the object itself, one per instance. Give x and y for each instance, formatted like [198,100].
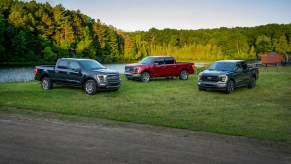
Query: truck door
[240,74]
[170,67]
[60,73]
[246,73]
[74,74]
[158,68]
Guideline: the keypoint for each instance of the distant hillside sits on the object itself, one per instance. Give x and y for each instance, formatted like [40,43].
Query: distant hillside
[31,31]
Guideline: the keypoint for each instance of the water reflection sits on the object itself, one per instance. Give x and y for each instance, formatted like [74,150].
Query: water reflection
[24,74]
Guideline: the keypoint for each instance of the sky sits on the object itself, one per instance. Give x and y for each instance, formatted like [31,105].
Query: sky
[142,15]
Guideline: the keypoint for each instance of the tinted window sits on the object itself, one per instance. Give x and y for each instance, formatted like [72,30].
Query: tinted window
[222,66]
[160,61]
[74,65]
[169,60]
[63,64]
[147,60]
[91,65]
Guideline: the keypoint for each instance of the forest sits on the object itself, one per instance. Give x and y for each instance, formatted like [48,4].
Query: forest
[39,32]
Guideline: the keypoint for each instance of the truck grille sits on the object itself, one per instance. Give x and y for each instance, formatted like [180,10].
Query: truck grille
[112,77]
[210,78]
[128,69]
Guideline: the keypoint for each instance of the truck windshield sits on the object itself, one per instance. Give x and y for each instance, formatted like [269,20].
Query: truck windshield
[147,60]
[91,65]
[222,66]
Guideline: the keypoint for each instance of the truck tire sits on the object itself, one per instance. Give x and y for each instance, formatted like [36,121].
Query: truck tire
[46,83]
[90,87]
[183,75]
[145,77]
[252,83]
[230,87]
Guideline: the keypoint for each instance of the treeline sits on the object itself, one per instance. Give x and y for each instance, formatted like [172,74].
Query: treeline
[210,44]
[31,31]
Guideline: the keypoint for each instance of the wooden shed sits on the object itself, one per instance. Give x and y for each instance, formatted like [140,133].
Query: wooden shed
[271,58]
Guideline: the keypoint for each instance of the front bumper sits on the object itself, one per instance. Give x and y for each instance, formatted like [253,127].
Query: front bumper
[108,84]
[212,85]
[130,75]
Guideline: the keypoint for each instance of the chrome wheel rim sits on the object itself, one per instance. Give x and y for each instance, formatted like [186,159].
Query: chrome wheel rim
[89,87]
[145,77]
[184,75]
[230,87]
[45,84]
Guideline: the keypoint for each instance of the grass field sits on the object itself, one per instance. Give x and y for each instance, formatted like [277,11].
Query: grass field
[263,112]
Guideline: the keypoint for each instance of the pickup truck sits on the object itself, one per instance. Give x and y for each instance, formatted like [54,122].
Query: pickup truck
[226,75]
[86,73]
[158,66]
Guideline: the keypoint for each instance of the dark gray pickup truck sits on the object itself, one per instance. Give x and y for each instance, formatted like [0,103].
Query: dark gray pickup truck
[226,75]
[86,73]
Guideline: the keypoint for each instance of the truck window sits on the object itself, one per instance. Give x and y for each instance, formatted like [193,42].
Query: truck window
[169,60]
[74,65]
[238,67]
[62,64]
[160,61]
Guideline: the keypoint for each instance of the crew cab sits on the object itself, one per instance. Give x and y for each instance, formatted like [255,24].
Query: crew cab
[158,66]
[226,75]
[86,73]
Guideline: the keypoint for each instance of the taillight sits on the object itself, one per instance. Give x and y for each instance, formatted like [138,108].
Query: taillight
[35,71]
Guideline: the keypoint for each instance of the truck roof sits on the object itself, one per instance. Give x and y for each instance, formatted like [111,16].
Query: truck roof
[231,61]
[79,59]
[160,56]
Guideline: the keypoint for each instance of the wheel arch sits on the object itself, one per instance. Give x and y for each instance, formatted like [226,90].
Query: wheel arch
[86,79]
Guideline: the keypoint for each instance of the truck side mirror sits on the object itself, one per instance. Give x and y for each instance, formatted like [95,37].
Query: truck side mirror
[156,64]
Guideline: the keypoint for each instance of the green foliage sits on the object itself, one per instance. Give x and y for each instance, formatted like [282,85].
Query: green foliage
[31,31]
[2,30]
[48,54]
[40,32]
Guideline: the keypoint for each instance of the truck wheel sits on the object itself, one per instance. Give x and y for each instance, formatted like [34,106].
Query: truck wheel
[90,87]
[252,83]
[230,87]
[183,75]
[145,77]
[46,83]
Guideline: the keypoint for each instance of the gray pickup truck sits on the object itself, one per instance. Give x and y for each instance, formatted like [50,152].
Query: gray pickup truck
[86,73]
[226,75]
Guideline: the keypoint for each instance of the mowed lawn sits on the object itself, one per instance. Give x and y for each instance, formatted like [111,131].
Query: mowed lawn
[263,112]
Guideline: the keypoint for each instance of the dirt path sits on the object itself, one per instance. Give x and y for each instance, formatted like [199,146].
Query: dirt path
[29,139]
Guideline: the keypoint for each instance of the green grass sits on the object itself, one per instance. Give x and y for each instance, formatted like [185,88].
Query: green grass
[263,112]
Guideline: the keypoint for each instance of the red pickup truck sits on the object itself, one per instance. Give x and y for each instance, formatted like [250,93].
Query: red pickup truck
[158,66]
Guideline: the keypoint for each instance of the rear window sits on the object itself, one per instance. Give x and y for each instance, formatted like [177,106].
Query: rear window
[169,60]
[62,64]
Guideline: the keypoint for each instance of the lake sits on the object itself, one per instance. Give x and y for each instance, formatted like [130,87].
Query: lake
[24,74]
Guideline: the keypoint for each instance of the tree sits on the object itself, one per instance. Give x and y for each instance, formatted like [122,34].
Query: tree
[263,44]
[281,45]
[2,32]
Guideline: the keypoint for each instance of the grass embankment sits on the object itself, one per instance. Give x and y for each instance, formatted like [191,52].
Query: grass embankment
[263,112]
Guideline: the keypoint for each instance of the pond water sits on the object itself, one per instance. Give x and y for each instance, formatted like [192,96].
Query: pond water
[24,74]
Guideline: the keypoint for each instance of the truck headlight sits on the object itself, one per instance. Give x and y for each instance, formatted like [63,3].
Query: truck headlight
[136,69]
[101,77]
[223,78]
[199,76]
